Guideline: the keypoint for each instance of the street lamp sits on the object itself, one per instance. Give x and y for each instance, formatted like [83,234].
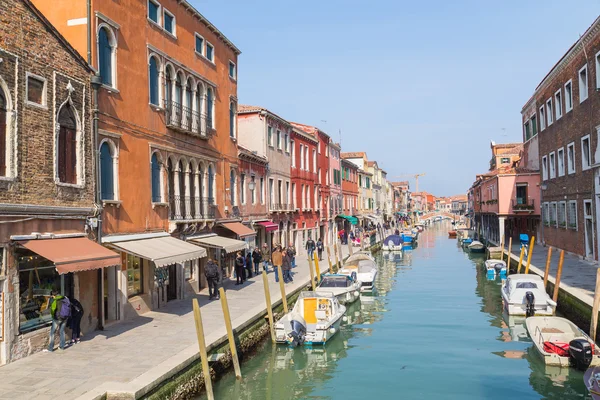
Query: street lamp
[251,184]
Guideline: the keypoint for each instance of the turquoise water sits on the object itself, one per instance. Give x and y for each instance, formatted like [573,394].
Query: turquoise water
[433,330]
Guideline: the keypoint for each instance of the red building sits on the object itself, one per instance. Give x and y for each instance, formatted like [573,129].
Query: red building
[348,176]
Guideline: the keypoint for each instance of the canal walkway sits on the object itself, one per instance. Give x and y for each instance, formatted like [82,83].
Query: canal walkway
[132,357]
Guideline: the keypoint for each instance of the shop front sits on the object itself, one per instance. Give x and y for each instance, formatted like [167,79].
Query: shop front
[220,249]
[241,232]
[264,230]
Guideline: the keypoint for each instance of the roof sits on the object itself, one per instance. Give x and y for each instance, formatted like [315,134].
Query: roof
[350,164]
[506,148]
[60,37]
[356,154]
[371,163]
[253,155]
[312,130]
[248,109]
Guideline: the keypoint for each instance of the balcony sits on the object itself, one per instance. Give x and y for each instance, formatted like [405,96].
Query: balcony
[281,207]
[298,173]
[186,120]
[186,208]
[523,205]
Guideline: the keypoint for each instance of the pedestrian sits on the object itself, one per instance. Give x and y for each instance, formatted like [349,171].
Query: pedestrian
[212,272]
[266,257]
[248,265]
[287,267]
[320,249]
[310,247]
[75,321]
[256,257]
[60,310]
[240,261]
[277,259]
[292,250]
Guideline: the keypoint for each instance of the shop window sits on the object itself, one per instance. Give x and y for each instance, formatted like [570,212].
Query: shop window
[188,270]
[134,275]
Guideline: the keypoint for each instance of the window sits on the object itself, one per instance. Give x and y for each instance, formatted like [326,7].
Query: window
[319,147]
[134,275]
[549,111]
[278,139]
[67,145]
[199,44]
[505,160]
[320,176]
[294,200]
[253,190]
[210,108]
[153,78]
[3,130]
[306,164]
[262,190]
[271,192]
[292,144]
[303,198]
[597,69]
[156,181]
[546,213]
[542,118]
[211,185]
[36,90]
[553,214]
[586,157]
[210,52]
[545,168]
[270,136]
[232,70]
[106,50]
[562,214]
[533,126]
[571,158]
[232,187]
[568,96]
[301,157]
[232,119]
[314,161]
[527,131]
[243,188]
[286,143]
[154,11]
[287,193]
[561,161]
[521,193]
[583,84]
[572,214]
[169,22]
[558,104]
[552,166]
[107,173]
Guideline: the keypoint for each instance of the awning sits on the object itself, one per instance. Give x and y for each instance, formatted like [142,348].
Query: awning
[162,251]
[269,226]
[73,254]
[352,220]
[239,229]
[220,242]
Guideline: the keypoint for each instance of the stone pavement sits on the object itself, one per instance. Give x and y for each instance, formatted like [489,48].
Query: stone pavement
[134,356]
[578,276]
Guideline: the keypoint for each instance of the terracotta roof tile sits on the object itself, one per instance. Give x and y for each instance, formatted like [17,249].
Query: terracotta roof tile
[356,154]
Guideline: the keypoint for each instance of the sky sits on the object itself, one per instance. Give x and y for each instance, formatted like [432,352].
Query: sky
[422,86]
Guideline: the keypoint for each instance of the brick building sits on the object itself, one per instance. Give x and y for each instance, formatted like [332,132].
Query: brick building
[47,182]
[561,118]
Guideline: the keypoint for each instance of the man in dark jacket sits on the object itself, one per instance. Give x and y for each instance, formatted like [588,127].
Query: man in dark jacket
[310,247]
[240,261]
[286,267]
[212,272]
[76,315]
[248,265]
[320,247]
[292,251]
[256,258]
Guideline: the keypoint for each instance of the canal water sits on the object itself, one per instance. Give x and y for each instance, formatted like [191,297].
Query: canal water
[434,330]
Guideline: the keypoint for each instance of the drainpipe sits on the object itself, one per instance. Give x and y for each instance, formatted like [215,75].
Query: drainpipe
[89,32]
[96,82]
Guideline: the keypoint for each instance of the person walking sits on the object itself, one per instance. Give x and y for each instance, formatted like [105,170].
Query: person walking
[75,321]
[212,272]
[292,250]
[310,247]
[286,267]
[248,265]
[240,261]
[277,259]
[266,257]
[320,249]
[256,257]
[60,310]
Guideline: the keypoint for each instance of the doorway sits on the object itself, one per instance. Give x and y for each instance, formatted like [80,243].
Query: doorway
[110,294]
[172,286]
[589,229]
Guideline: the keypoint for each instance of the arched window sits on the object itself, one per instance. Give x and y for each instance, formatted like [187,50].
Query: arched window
[105,56]
[187,113]
[154,78]
[168,87]
[209,108]
[67,145]
[156,186]
[178,90]
[232,119]
[107,173]
[3,130]
[211,183]
[232,187]
[198,106]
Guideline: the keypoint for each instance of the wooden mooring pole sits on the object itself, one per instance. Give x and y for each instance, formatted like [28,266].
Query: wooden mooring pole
[232,345]
[317,269]
[502,248]
[509,256]
[547,271]
[202,347]
[269,306]
[596,307]
[312,274]
[335,252]
[529,253]
[558,274]
[350,249]
[521,260]
[329,259]
[282,288]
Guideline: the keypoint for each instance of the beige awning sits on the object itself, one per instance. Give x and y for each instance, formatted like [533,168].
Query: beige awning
[162,251]
[220,242]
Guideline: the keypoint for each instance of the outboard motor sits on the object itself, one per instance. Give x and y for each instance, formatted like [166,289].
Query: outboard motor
[298,333]
[580,354]
[529,304]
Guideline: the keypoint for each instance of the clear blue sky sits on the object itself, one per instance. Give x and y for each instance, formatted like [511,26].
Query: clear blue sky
[421,86]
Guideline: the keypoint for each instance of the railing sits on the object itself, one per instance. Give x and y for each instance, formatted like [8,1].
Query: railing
[186,208]
[521,204]
[185,119]
[281,207]
[303,174]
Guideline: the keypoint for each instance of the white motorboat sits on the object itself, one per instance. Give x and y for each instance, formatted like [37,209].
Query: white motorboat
[560,342]
[476,247]
[393,243]
[495,267]
[524,294]
[315,318]
[345,287]
[365,267]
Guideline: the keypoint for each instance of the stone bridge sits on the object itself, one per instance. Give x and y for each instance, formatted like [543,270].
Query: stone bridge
[443,214]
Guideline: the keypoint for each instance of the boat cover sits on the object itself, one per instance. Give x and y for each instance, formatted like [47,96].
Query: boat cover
[395,239]
[560,348]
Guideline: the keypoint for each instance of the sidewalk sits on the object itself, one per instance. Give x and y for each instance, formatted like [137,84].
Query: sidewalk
[134,356]
[578,276]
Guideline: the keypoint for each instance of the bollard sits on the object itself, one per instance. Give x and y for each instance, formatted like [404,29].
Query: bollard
[521,260]
[282,288]
[350,249]
[202,347]
[502,249]
[329,259]
[317,269]
[232,346]
[558,274]
[595,308]
[312,274]
[547,271]
[531,244]
[508,258]
[269,307]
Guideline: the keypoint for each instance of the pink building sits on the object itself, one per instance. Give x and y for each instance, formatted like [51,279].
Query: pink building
[335,186]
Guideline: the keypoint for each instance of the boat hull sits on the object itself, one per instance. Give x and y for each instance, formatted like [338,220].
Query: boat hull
[318,337]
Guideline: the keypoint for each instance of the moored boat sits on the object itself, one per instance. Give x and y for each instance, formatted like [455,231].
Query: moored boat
[524,294]
[345,287]
[591,379]
[476,247]
[365,267]
[495,267]
[393,243]
[560,342]
[315,318]
[452,234]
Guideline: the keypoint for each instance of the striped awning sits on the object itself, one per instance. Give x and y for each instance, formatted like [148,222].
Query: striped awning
[162,251]
[220,242]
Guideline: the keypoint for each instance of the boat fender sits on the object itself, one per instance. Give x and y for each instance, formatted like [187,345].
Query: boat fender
[344,318]
[332,330]
[551,302]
